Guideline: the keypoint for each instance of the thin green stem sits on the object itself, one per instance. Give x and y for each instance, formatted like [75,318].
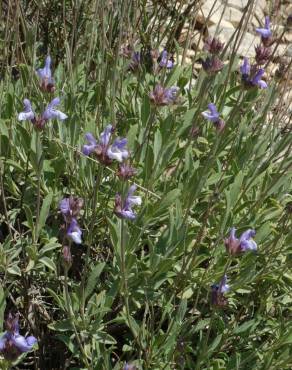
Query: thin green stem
[71,317]
[39,174]
[124,269]
[90,238]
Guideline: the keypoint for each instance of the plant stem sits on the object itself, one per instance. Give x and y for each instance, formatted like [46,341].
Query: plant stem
[71,317]
[39,168]
[90,237]
[124,269]
[204,349]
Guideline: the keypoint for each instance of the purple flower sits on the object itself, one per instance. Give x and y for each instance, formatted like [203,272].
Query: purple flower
[28,114]
[223,286]
[91,145]
[165,61]
[217,292]
[105,136]
[257,81]
[70,207]
[12,344]
[118,150]
[245,68]
[123,208]
[39,122]
[45,74]
[266,31]
[213,116]
[74,232]
[105,152]
[251,75]
[52,113]
[135,61]
[164,96]
[236,246]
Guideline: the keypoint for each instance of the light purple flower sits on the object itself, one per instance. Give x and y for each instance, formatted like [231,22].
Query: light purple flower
[28,114]
[12,344]
[135,61]
[164,96]
[236,246]
[52,113]
[170,94]
[245,67]
[266,31]
[165,61]
[39,122]
[91,145]
[105,136]
[211,115]
[74,232]
[118,150]
[217,292]
[257,81]
[251,75]
[223,286]
[45,73]
[104,151]
[123,208]
[70,207]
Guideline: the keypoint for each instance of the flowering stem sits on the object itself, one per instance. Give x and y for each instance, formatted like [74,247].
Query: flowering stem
[204,346]
[71,317]
[90,236]
[123,267]
[4,202]
[38,172]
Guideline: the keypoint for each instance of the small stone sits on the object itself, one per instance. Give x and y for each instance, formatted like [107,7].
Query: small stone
[216,11]
[288,36]
[288,51]
[233,16]
[187,60]
[238,4]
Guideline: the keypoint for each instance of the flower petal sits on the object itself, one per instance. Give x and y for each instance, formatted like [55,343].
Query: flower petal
[52,113]
[90,138]
[248,245]
[3,340]
[64,206]
[28,113]
[21,343]
[106,135]
[245,67]
[265,33]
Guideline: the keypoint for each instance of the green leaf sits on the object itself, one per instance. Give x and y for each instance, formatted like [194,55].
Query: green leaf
[92,279]
[14,270]
[235,188]
[2,305]
[245,326]
[48,262]
[167,201]
[44,213]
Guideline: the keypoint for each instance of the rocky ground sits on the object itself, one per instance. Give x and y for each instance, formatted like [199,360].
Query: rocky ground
[222,17]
